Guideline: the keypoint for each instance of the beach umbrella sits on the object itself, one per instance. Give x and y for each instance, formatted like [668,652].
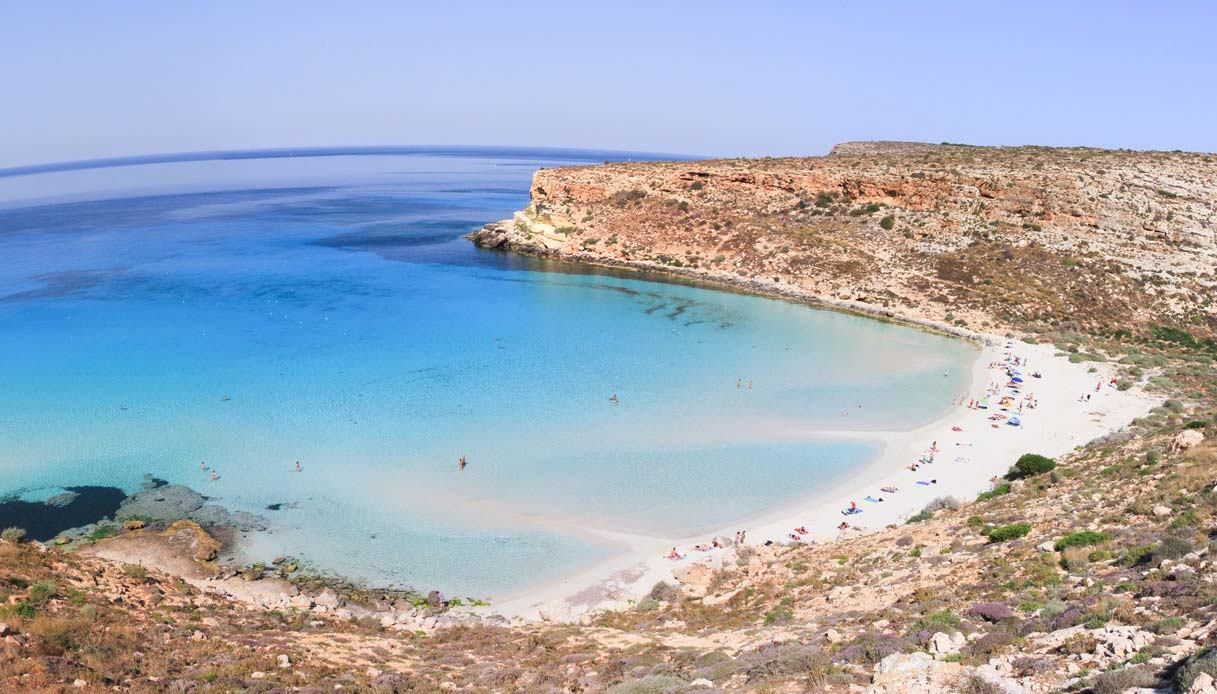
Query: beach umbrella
[1017,379]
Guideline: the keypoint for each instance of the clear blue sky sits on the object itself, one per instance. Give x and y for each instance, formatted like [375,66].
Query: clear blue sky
[83,80]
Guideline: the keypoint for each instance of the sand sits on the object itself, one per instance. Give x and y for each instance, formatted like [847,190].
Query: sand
[967,463]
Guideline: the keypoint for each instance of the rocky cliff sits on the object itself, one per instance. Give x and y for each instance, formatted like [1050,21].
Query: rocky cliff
[1019,238]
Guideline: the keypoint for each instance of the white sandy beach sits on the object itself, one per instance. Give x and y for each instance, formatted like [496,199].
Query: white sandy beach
[965,464]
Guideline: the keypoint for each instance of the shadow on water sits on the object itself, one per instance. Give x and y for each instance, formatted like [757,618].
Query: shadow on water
[43,520]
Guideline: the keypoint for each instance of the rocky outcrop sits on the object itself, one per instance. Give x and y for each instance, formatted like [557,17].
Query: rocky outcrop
[978,237]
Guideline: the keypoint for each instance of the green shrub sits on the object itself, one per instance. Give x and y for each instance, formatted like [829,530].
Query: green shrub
[647,604]
[13,535]
[1002,533]
[1030,465]
[1203,662]
[43,591]
[921,517]
[1197,424]
[1083,538]
[999,490]
[103,531]
[887,222]
[665,592]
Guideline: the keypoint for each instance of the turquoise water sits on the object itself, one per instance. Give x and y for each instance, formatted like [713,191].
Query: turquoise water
[254,313]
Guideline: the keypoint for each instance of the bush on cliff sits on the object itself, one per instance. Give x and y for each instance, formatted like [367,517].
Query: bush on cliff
[13,535]
[1030,465]
[1084,538]
[1003,533]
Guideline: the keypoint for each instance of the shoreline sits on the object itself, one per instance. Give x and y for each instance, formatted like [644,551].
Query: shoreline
[624,576]
[769,289]
[967,464]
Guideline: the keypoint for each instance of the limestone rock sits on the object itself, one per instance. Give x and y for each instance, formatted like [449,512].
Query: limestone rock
[327,598]
[899,665]
[1203,684]
[1188,438]
[943,645]
[693,575]
[1161,511]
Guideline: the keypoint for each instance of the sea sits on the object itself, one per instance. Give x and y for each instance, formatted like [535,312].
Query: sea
[250,311]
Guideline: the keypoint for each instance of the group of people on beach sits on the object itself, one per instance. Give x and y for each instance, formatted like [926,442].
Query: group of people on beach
[1011,400]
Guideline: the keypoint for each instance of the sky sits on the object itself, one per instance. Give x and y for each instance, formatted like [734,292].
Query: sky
[88,80]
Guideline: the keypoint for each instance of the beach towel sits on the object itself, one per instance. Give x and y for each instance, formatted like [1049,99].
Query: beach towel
[923,483]
[851,511]
[871,499]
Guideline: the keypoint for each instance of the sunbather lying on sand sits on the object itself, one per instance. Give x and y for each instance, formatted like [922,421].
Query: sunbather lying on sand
[889,490]
[674,555]
[802,530]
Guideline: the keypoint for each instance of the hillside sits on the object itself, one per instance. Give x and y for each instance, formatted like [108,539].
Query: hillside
[983,238]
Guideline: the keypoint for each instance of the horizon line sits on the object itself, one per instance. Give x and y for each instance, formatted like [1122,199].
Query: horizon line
[503,151]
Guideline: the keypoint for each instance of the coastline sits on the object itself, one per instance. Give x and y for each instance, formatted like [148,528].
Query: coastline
[1059,425]
[497,237]
[624,576]
[966,465]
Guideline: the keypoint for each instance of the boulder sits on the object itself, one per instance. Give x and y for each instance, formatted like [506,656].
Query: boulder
[327,598]
[1161,511]
[1188,438]
[943,645]
[693,575]
[1203,684]
[900,667]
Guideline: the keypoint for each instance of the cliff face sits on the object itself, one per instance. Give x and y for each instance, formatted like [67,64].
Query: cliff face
[990,238]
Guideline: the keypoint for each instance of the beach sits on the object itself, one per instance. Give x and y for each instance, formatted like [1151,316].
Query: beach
[967,462]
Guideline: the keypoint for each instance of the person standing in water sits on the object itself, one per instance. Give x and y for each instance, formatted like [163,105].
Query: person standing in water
[460,464]
[614,399]
[298,468]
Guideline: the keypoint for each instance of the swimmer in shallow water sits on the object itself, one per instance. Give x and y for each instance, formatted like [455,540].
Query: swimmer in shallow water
[298,468]
[460,464]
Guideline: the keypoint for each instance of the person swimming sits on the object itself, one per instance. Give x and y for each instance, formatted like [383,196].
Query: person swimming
[214,476]
[614,399]
[203,466]
[298,468]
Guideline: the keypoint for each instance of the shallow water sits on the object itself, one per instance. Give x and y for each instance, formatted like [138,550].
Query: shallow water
[253,313]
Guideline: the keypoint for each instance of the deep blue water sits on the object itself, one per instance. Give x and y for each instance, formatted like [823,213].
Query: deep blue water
[254,312]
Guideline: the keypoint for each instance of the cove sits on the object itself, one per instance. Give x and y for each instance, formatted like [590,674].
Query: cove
[248,314]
